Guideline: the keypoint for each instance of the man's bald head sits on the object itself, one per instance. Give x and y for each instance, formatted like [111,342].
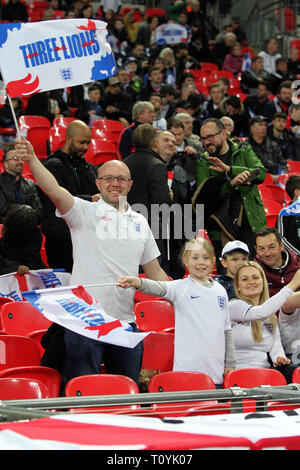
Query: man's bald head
[77,126]
[78,138]
[113,165]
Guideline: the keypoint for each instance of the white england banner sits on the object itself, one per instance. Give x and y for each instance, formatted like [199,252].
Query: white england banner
[171,33]
[73,308]
[12,284]
[50,55]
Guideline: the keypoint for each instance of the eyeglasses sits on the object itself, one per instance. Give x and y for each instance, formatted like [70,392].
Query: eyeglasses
[209,137]
[110,179]
[16,159]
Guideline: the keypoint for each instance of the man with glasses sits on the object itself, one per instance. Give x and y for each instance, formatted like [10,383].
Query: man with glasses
[227,186]
[14,188]
[109,240]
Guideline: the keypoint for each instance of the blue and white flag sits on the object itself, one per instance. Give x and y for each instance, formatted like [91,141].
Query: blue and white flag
[12,284]
[292,209]
[246,65]
[73,308]
[170,33]
[51,55]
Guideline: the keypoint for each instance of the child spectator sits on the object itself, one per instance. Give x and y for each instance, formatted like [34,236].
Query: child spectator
[91,110]
[202,329]
[233,254]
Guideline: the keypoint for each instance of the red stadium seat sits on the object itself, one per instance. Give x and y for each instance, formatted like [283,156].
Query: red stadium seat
[249,378]
[36,130]
[101,151]
[294,166]
[21,318]
[50,377]
[102,384]
[176,381]
[268,179]
[108,124]
[18,351]
[296,376]
[158,352]
[57,137]
[271,191]
[209,66]
[22,389]
[63,121]
[154,315]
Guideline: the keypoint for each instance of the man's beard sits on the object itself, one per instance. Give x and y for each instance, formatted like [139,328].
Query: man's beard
[214,153]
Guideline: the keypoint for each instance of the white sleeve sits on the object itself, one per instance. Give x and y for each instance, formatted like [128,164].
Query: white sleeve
[75,216]
[241,311]
[277,349]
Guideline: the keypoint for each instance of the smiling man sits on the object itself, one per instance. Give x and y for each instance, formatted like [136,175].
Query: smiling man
[278,263]
[232,204]
[109,240]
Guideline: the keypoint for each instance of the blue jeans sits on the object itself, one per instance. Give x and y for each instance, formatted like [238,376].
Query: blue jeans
[84,356]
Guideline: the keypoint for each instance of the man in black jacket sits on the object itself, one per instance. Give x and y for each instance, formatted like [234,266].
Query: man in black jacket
[71,170]
[14,189]
[150,180]
[266,149]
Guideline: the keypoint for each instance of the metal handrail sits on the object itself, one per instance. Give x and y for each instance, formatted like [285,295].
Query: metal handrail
[31,409]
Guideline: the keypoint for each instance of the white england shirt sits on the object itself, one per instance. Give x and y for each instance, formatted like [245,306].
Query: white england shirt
[108,244]
[201,317]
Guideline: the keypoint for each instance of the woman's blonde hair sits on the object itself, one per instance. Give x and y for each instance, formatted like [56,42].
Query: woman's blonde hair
[196,244]
[256,324]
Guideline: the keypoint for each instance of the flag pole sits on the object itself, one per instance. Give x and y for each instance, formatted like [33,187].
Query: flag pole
[14,115]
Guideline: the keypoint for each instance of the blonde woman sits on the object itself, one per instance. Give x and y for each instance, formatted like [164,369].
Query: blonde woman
[254,323]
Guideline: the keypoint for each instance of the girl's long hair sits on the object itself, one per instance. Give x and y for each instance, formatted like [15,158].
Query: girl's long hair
[256,324]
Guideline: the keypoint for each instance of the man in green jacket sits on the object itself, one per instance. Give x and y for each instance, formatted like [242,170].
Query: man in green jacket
[227,176]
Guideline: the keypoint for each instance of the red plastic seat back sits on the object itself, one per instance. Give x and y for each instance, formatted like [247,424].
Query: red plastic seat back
[21,318]
[57,137]
[22,389]
[296,376]
[63,121]
[154,315]
[158,352]
[249,378]
[101,151]
[100,384]
[50,377]
[18,351]
[175,381]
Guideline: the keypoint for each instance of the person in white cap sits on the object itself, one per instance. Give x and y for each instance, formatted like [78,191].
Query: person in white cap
[233,254]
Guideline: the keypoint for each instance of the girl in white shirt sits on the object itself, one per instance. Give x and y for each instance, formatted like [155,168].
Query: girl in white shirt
[254,323]
[203,340]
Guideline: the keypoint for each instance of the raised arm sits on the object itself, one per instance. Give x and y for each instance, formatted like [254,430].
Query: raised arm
[60,197]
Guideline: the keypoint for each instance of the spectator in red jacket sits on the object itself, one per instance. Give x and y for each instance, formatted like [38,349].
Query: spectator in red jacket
[278,263]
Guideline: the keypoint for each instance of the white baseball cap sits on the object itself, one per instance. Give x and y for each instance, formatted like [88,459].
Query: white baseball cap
[233,246]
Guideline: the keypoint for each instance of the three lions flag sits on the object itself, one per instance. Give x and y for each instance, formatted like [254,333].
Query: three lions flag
[49,55]
[76,310]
